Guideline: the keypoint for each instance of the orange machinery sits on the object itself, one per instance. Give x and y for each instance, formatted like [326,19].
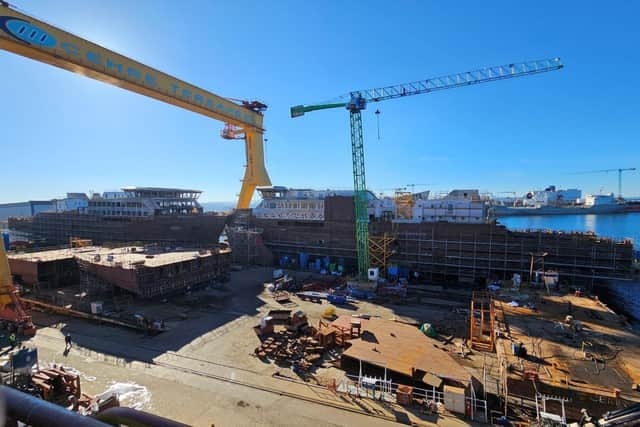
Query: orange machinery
[12,310]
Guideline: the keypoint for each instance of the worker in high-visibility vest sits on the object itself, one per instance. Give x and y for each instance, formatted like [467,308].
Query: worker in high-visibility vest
[13,340]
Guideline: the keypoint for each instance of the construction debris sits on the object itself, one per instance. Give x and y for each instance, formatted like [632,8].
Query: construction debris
[294,345]
[281,297]
[56,384]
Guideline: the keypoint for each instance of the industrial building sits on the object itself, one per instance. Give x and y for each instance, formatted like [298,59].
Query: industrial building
[401,354]
[144,271]
[403,350]
[25,209]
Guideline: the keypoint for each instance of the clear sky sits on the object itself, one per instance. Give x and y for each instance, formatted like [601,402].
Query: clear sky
[64,132]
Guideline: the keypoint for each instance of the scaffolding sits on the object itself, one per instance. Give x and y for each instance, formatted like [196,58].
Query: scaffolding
[380,251]
[488,254]
[245,244]
[482,319]
[246,241]
[447,252]
[497,254]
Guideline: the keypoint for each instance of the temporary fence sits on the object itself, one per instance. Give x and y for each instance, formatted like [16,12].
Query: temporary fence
[386,390]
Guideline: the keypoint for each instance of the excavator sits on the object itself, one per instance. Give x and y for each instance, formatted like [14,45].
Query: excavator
[29,37]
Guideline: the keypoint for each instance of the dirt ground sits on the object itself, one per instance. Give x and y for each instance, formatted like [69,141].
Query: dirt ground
[203,372]
[602,352]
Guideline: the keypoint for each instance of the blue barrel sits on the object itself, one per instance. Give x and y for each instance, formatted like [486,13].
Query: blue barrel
[304,260]
[336,299]
[5,240]
[318,264]
[393,270]
[360,294]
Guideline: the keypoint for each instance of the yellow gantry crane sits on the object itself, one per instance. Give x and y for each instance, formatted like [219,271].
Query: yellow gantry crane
[11,309]
[32,38]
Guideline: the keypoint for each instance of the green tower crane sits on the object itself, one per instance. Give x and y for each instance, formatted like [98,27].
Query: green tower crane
[356,101]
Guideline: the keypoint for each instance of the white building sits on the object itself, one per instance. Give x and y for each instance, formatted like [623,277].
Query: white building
[75,202]
[460,206]
[465,211]
[599,199]
[553,197]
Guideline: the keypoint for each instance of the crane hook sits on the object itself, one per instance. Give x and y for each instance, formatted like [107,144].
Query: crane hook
[378,121]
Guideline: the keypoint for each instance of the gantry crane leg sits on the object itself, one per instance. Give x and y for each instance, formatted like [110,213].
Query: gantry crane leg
[255,174]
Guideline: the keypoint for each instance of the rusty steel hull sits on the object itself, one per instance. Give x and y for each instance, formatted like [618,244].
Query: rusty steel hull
[445,251]
[57,228]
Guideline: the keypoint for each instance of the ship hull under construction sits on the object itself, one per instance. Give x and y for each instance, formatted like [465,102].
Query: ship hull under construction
[57,228]
[436,251]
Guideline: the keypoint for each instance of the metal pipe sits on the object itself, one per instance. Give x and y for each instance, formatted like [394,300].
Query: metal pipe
[37,412]
[134,418]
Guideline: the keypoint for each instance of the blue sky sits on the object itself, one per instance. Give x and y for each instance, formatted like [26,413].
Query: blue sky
[63,132]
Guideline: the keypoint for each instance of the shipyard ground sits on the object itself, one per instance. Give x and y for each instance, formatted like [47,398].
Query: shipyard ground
[202,371]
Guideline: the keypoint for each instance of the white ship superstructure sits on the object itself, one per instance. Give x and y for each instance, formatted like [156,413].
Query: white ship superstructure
[144,202]
[458,206]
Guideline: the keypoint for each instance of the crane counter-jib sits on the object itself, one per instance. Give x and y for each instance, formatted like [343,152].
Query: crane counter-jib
[299,110]
[26,36]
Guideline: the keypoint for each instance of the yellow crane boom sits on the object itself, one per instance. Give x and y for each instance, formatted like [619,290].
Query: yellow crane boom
[11,307]
[5,273]
[32,38]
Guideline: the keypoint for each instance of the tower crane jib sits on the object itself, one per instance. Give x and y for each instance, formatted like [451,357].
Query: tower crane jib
[357,100]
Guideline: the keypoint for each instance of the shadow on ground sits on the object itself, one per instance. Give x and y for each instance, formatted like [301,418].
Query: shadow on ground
[188,318]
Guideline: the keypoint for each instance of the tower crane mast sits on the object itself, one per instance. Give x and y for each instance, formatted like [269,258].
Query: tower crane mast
[357,100]
[619,170]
